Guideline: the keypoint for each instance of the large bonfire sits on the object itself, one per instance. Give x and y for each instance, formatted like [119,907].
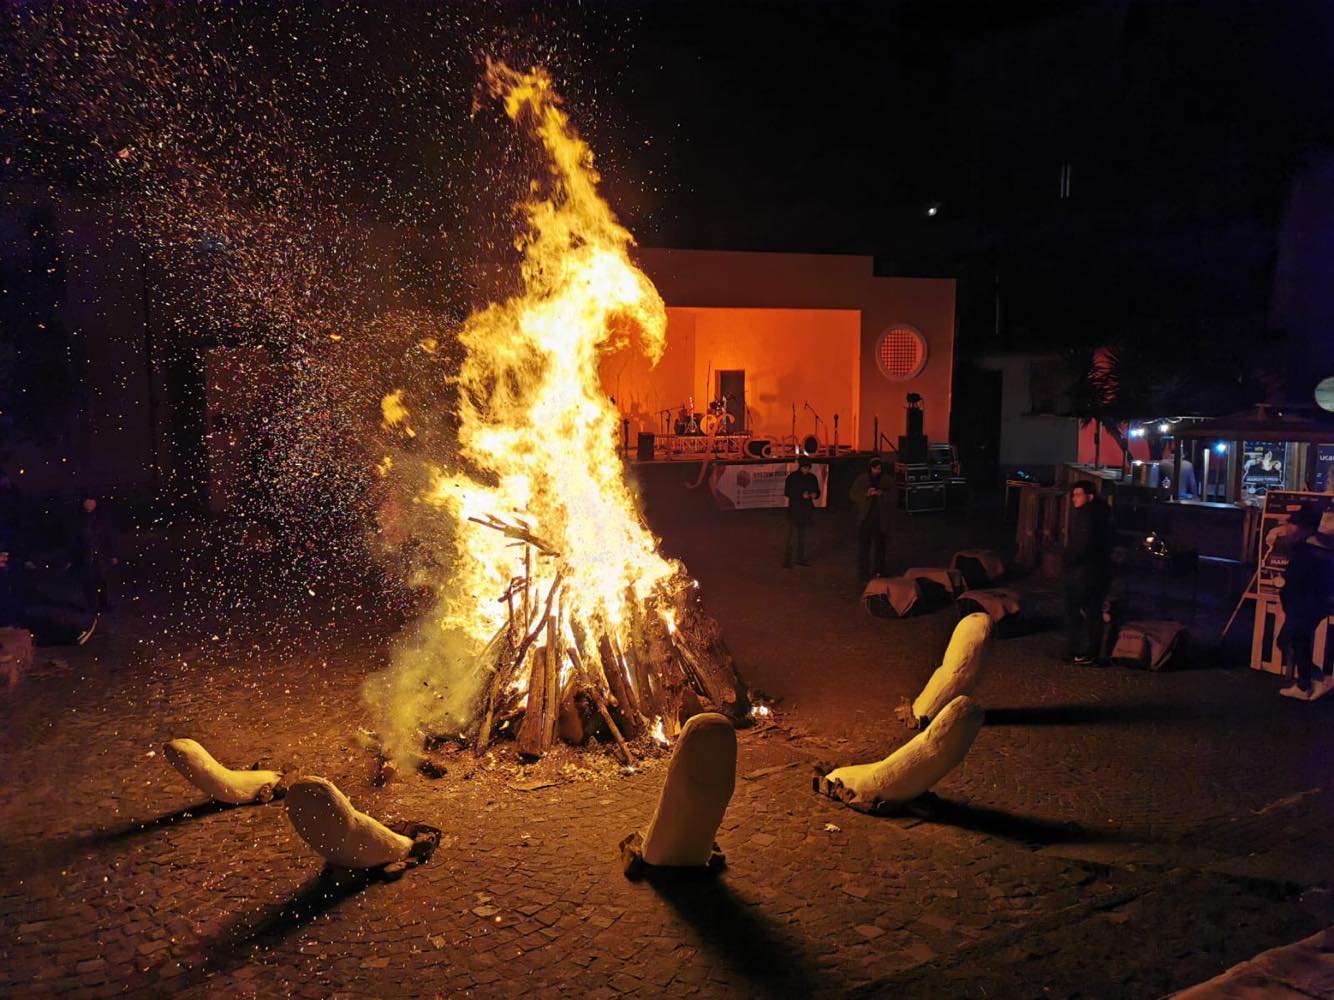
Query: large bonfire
[555,613]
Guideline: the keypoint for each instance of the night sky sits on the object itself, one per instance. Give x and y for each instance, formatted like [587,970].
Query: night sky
[930,133]
[753,125]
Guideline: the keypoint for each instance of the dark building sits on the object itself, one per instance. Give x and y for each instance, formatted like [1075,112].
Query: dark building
[1121,165]
[1117,171]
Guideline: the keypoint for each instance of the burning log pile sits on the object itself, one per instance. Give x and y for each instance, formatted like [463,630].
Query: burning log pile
[557,676]
[555,614]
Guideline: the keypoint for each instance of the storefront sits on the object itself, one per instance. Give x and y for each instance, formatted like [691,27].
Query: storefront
[1270,447]
[1237,462]
[1199,484]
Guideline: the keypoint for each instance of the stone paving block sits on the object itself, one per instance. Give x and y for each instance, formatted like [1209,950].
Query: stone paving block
[783,871]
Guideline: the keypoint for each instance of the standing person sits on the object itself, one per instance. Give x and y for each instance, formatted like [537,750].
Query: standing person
[802,489]
[88,557]
[9,529]
[1305,599]
[870,497]
[1088,572]
[1188,485]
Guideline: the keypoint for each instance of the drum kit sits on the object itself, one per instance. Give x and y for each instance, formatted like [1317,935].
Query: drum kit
[717,420]
[715,431]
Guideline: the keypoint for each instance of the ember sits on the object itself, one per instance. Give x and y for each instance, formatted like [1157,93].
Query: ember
[557,606]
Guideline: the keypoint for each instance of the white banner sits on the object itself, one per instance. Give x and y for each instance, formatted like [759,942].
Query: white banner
[742,487]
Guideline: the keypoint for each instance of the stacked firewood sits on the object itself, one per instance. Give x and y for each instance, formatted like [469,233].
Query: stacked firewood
[672,664]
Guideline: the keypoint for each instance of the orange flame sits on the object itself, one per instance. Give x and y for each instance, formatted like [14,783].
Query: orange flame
[535,423]
[537,434]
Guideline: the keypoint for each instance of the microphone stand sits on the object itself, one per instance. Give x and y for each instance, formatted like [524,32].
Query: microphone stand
[818,421]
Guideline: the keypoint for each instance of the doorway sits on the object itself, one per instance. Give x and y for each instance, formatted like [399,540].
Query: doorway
[975,426]
[732,389]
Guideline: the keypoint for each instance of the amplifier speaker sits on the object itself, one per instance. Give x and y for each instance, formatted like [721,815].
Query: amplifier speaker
[645,451]
[920,497]
[912,448]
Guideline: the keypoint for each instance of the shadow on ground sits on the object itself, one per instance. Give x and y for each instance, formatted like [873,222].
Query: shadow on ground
[1010,825]
[234,945]
[112,835]
[60,850]
[737,932]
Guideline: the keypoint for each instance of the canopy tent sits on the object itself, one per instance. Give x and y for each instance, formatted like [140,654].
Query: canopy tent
[1265,422]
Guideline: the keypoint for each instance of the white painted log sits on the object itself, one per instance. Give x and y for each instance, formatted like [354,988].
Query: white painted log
[964,660]
[325,819]
[701,777]
[913,768]
[217,782]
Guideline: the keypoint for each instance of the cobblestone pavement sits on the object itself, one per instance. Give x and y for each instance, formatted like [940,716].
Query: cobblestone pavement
[1111,834]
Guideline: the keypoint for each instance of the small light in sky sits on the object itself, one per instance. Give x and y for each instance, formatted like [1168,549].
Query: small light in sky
[933,209]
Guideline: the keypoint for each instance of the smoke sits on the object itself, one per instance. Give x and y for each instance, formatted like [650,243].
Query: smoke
[431,686]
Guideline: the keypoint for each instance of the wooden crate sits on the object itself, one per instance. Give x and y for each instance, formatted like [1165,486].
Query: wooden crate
[1265,654]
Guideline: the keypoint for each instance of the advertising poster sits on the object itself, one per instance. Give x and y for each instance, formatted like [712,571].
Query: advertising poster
[1277,536]
[1324,468]
[1263,464]
[742,487]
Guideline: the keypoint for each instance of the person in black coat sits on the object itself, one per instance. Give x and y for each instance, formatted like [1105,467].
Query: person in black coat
[1305,597]
[870,498]
[1088,571]
[802,489]
[9,561]
[88,556]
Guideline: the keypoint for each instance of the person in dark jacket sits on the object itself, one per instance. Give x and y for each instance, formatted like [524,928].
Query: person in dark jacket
[1088,571]
[1305,598]
[88,557]
[9,562]
[802,489]
[870,498]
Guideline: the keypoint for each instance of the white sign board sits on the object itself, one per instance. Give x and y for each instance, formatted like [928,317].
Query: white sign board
[746,486]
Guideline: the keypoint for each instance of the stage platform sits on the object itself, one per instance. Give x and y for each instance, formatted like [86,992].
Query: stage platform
[735,483]
[733,448]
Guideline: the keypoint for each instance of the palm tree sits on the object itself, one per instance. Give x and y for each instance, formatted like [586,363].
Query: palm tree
[1159,376]
[1095,392]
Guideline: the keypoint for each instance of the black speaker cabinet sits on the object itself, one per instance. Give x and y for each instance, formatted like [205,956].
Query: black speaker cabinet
[917,498]
[912,449]
[645,451]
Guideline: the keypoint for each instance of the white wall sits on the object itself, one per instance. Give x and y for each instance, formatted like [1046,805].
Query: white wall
[1028,439]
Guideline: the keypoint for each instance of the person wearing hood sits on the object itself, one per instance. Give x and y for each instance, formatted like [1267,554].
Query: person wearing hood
[871,499]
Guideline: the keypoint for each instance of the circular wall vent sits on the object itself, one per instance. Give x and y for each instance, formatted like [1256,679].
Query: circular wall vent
[901,353]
